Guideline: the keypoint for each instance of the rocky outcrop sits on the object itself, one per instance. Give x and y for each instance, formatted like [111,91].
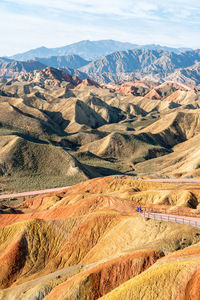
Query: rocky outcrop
[15,68]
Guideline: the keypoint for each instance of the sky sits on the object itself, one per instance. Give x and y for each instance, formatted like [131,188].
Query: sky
[28,24]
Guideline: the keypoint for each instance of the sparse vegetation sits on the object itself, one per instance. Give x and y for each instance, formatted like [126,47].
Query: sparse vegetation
[43,138]
[38,182]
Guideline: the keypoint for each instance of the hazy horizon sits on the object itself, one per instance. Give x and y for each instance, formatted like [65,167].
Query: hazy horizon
[28,24]
[40,46]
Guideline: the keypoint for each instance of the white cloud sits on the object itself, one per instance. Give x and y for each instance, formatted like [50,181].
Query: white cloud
[26,24]
[108,7]
[134,8]
[24,32]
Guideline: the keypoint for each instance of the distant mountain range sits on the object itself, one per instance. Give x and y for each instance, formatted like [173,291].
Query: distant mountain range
[89,50]
[152,65]
[155,65]
[5,59]
[70,61]
[68,64]
[15,68]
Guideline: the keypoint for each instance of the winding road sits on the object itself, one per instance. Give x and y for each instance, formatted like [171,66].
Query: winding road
[33,193]
[175,180]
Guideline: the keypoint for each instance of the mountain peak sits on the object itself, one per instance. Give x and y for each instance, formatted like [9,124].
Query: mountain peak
[89,50]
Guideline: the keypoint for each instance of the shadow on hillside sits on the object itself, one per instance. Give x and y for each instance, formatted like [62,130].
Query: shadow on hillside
[58,119]
[56,123]
[30,138]
[105,171]
[25,134]
[6,210]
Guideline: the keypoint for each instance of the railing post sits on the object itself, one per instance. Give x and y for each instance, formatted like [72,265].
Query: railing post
[167,217]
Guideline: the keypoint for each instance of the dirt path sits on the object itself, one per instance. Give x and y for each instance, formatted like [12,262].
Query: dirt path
[171,180]
[173,218]
[33,193]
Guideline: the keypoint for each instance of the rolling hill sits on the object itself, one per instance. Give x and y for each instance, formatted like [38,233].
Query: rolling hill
[134,128]
[88,242]
[104,142]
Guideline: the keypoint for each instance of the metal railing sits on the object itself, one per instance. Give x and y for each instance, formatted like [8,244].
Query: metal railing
[172,218]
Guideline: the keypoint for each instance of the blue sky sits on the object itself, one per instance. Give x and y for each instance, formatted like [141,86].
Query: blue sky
[28,24]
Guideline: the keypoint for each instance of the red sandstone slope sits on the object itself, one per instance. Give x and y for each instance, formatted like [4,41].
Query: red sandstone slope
[87,240]
[87,82]
[98,281]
